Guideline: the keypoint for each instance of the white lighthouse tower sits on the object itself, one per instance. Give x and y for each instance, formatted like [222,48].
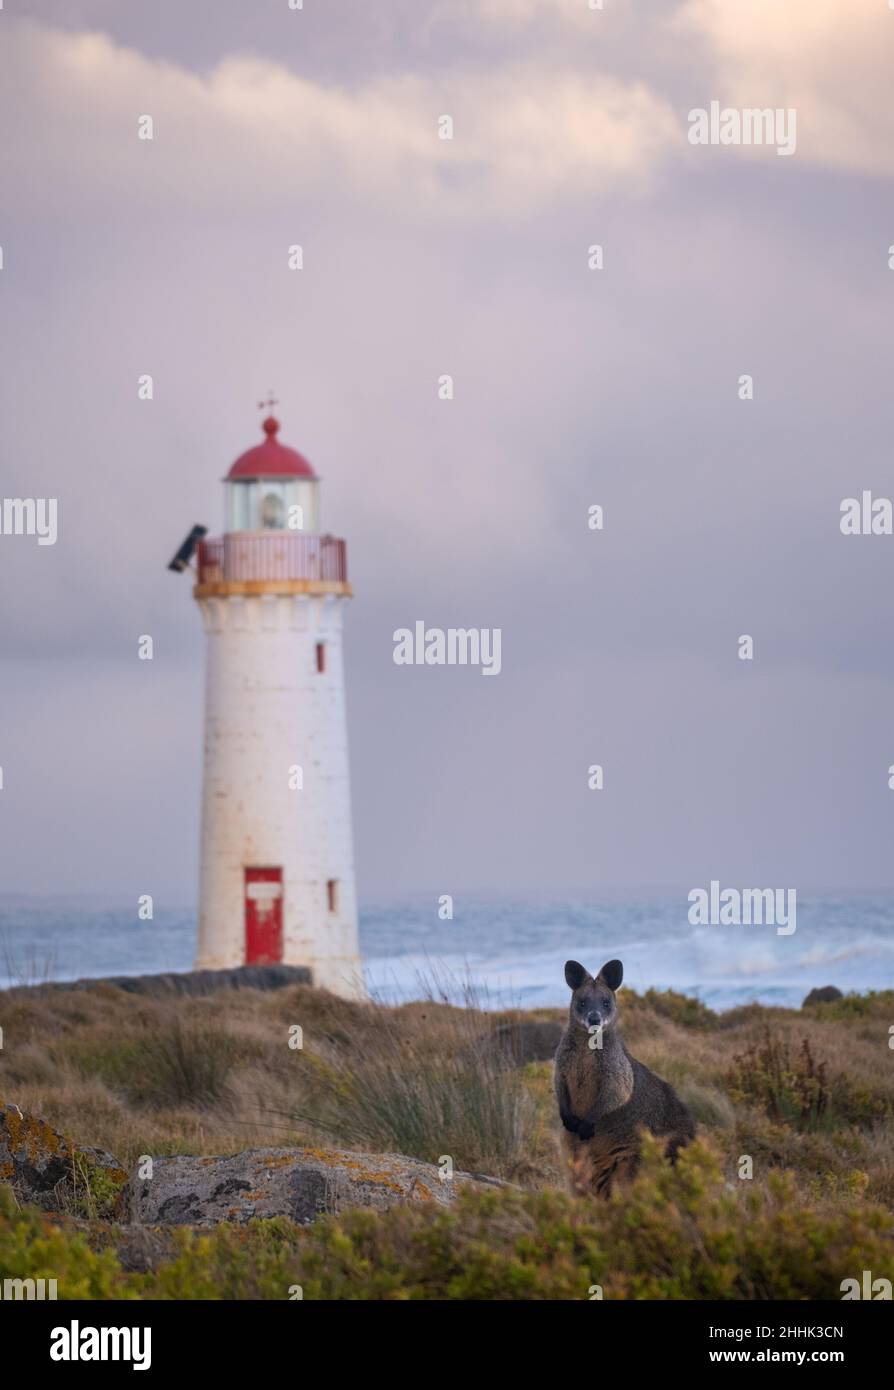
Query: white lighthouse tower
[277,879]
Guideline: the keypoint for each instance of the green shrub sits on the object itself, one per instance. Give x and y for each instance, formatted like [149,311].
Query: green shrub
[856,1103]
[680,1008]
[258,1261]
[795,1088]
[97,1192]
[677,1233]
[806,1152]
[875,1004]
[790,1088]
[36,1246]
[852,1184]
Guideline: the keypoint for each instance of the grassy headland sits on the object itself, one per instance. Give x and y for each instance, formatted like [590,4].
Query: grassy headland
[807,1095]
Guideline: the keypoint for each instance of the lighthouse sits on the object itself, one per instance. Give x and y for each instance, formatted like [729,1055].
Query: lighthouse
[277,872]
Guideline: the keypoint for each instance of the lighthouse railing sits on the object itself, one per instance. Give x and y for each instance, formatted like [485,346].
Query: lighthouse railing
[238,557]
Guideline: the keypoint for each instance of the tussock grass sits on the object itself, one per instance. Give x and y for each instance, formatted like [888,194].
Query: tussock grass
[180,1066]
[135,1075]
[402,1091]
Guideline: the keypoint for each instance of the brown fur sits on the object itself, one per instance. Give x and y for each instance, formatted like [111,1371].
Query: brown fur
[606,1097]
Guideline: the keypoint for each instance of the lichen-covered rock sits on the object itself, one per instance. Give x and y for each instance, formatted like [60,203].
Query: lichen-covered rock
[301,1184]
[45,1168]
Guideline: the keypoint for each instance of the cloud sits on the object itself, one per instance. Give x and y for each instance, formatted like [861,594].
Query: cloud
[575,13]
[831,62]
[572,387]
[524,133]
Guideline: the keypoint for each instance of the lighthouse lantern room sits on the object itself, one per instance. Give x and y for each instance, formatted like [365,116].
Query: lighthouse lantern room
[272,488]
[277,873]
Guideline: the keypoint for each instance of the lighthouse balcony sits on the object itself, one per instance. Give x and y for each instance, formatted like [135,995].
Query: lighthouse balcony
[248,562]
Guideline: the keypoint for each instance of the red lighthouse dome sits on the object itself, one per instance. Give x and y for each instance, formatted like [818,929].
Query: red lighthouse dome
[270,459]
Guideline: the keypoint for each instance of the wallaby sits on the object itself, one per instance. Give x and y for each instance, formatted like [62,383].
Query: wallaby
[606,1097]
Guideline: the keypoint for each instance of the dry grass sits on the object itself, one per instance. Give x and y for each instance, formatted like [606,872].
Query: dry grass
[136,1075]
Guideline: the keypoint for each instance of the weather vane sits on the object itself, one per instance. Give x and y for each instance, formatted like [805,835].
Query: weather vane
[270,402]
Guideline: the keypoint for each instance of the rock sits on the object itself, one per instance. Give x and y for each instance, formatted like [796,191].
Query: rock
[46,1169]
[515,1044]
[827,995]
[194,982]
[299,1183]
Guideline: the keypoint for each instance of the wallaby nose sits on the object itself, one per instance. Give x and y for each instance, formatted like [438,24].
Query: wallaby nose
[594,1018]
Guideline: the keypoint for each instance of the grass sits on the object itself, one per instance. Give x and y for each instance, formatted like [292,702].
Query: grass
[134,1075]
[402,1090]
[807,1096]
[178,1064]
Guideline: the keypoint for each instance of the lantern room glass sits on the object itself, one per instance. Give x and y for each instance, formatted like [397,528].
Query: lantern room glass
[268,504]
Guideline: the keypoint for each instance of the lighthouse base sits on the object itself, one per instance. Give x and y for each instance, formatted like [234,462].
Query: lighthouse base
[342,976]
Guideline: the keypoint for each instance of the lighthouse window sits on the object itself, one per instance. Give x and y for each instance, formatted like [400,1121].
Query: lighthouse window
[240,506]
[321,657]
[272,511]
[332,894]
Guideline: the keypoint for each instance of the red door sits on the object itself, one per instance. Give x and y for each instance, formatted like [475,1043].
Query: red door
[263,916]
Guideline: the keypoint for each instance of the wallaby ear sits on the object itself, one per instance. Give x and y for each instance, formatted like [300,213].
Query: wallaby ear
[575,974]
[612,973]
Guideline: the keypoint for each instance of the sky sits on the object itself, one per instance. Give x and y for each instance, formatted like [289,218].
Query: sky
[573,387]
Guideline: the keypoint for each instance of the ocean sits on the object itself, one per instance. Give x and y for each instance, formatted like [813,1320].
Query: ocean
[508,953]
